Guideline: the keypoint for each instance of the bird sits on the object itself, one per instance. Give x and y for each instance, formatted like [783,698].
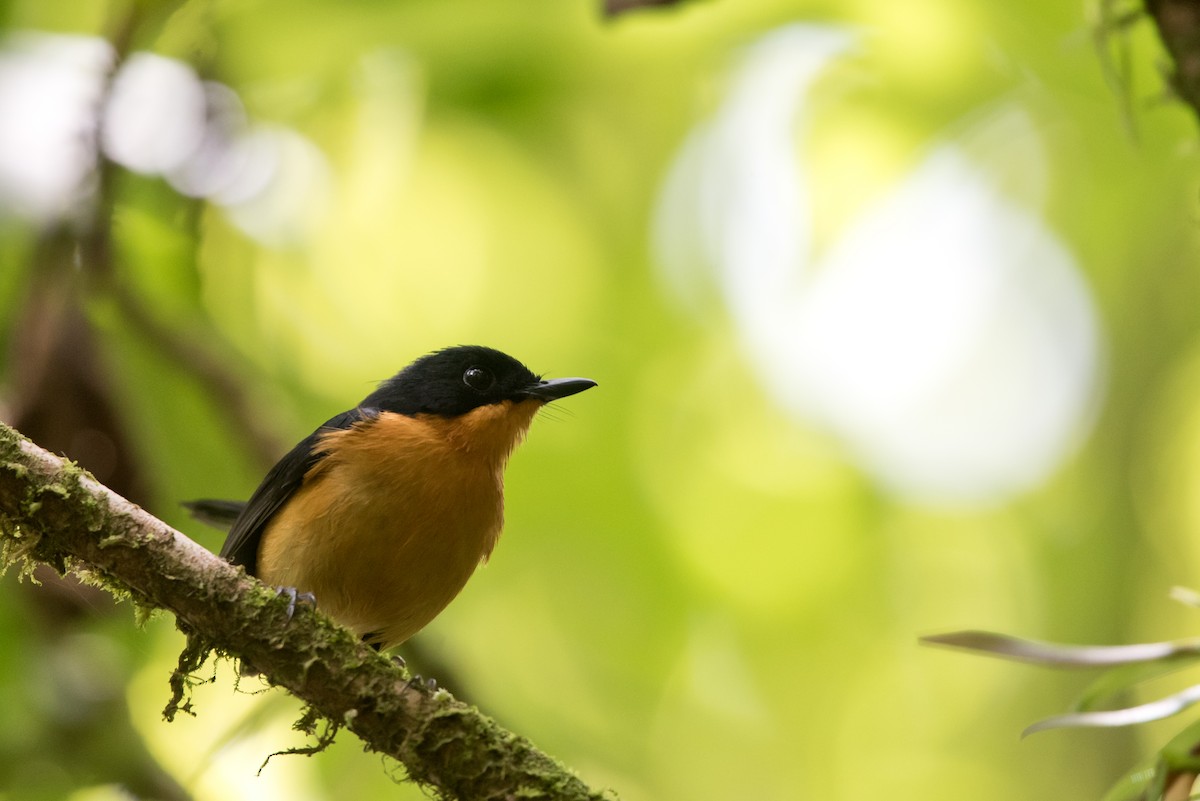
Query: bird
[385,510]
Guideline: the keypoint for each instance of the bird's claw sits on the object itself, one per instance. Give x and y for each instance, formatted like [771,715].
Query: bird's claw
[419,683]
[294,597]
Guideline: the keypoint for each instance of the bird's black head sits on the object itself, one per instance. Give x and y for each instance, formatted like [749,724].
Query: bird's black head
[456,380]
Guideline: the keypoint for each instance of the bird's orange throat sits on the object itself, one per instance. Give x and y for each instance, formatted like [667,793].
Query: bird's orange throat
[489,432]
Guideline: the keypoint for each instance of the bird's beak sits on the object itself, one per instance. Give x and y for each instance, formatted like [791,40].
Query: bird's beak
[556,388]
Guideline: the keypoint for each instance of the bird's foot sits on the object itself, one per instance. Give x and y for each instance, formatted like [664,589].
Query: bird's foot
[294,596]
[419,683]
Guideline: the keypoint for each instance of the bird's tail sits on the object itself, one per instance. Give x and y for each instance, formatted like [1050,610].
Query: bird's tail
[216,513]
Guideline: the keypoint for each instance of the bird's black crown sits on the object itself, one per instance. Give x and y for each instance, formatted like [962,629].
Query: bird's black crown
[454,381]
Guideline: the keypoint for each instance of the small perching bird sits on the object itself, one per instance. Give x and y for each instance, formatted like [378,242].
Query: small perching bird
[385,511]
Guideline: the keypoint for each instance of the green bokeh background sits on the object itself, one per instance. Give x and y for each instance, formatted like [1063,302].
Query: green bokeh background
[697,596]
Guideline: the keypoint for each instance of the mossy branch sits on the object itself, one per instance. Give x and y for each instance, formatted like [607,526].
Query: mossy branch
[51,511]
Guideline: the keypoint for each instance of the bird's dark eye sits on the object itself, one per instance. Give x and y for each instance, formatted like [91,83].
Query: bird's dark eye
[478,379]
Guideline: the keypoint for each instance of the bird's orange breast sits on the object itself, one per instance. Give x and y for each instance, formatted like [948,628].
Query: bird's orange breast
[389,525]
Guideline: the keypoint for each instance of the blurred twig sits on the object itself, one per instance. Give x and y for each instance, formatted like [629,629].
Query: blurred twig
[1180,787]
[204,364]
[53,512]
[1110,35]
[1178,24]
[615,8]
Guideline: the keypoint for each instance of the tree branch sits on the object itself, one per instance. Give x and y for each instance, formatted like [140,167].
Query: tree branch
[51,511]
[1178,23]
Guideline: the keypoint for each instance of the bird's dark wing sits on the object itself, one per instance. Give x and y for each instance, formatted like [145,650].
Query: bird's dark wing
[281,482]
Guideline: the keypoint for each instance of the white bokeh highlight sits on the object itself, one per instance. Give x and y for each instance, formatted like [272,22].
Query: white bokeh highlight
[946,336]
[60,108]
[50,88]
[155,116]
